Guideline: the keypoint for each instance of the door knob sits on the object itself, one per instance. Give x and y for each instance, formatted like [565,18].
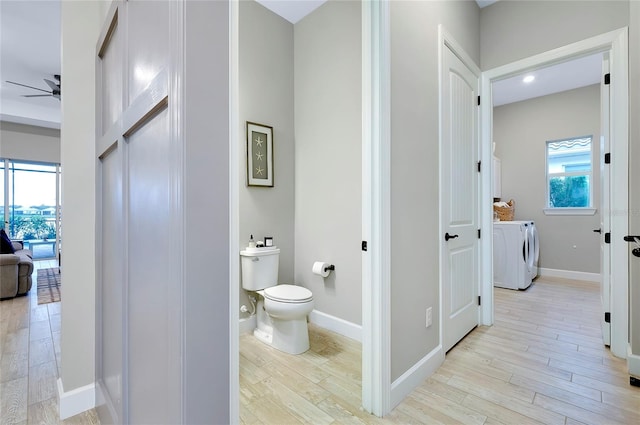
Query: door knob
[597,230]
[447,236]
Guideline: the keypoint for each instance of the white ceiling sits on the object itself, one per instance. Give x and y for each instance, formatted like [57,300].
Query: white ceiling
[553,79]
[30,52]
[292,10]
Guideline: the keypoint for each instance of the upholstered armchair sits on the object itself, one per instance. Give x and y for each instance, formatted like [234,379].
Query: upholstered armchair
[15,272]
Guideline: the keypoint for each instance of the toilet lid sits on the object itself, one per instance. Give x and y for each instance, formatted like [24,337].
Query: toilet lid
[288,294]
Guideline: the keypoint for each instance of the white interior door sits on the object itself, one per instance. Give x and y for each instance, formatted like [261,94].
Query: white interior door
[605,219]
[459,198]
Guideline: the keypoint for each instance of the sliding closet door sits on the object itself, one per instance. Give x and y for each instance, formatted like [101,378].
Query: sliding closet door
[139,343]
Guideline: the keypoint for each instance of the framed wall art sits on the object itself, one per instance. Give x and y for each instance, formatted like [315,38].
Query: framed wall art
[259,155]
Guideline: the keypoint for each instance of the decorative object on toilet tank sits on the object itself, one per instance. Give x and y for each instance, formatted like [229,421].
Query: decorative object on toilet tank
[259,155]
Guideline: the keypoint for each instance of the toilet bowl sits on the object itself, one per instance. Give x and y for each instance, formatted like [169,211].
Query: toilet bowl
[287,311]
[282,309]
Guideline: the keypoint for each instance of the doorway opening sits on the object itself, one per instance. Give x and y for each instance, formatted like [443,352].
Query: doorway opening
[613,46]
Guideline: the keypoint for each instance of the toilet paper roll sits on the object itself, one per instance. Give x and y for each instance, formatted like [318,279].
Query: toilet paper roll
[319,268]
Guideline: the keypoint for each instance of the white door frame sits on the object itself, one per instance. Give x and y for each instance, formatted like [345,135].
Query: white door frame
[376,205]
[617,43]
[376,208]
[234,212]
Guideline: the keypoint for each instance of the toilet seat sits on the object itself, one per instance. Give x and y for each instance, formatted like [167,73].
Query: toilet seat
[288,294]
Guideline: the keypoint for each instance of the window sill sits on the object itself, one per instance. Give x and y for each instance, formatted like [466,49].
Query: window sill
[569,211]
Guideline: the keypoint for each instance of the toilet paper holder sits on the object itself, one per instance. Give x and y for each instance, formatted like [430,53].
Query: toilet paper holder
[329,267]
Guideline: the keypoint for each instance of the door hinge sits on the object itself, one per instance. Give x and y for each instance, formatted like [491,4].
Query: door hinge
[479,165]
[607,317]
[479,300]
[607,158]
[364,245]
[607,237]
[479,233]
[478,100]
[607,78]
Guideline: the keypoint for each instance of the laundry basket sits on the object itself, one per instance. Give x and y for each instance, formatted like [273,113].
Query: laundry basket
[506,213]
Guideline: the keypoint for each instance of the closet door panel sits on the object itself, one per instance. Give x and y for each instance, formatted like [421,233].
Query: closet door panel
[112,280]
[151,392]
[148,43]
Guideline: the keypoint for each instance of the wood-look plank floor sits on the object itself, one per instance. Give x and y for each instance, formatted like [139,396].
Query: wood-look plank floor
[542,362]
[30,360]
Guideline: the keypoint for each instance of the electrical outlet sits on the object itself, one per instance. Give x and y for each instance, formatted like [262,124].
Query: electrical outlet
[429,316]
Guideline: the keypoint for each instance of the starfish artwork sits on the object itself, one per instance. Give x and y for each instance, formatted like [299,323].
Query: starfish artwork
[259,141]
[259,170]
[259,156]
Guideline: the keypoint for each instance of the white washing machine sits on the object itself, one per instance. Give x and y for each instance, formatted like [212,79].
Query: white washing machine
[512,259]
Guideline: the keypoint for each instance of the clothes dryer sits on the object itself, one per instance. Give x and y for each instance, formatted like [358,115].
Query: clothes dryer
[511,255]
[534,249]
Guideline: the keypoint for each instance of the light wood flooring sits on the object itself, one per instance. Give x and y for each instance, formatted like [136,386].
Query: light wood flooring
[30,360]
[542,362]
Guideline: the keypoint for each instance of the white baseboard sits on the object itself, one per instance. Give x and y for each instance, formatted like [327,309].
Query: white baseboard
[405,384]
[337,325]
[570,274]
[633,362]
[76,401]
[248,324]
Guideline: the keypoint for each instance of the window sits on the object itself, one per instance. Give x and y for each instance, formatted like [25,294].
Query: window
[30,199]
[569,174]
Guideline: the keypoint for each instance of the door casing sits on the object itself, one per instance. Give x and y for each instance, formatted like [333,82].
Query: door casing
[616,42]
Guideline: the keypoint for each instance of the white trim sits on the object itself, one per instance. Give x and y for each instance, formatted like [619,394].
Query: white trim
[376,207]
[619,194]
[616,43]
[247,324]
[336,324]
[633,362]
[570,274]
[415,376]
[76,401]
[569,211]
[234,212]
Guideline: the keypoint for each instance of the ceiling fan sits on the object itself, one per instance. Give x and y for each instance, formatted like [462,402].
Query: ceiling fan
[55,88]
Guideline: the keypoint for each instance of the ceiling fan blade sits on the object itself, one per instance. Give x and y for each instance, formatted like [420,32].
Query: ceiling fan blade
[31,87]
[37,95]
[53,85]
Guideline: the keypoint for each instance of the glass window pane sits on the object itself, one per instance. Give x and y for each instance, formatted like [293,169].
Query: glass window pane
[32,206]
[565,155]
[569,191]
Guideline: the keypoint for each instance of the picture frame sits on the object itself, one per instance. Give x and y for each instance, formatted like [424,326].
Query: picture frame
[268,241]
[259,155]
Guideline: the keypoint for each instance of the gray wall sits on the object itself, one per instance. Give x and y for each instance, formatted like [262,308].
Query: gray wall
[30,143]
[81,23]
[328,184]
[520,132]
[414,167]
[266,97]
[512,30]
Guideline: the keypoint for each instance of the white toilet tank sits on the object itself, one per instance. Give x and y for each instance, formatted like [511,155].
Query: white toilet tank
[259,267]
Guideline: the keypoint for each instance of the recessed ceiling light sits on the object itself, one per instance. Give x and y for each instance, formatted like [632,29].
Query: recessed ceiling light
[528,79]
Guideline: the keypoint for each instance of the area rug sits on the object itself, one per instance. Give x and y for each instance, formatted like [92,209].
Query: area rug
[48,285]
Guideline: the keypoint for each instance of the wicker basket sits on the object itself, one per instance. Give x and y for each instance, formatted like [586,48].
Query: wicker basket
[506,213]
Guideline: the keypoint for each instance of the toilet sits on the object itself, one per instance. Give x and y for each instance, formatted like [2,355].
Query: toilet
[282,309]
